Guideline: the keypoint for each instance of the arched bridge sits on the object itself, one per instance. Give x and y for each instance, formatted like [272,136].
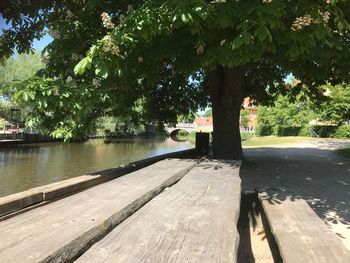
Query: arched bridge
[188,127]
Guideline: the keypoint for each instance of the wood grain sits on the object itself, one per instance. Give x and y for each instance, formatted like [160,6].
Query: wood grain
[300,234]
[193,221]
[40,234]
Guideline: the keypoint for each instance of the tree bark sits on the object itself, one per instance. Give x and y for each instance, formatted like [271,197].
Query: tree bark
[226,90]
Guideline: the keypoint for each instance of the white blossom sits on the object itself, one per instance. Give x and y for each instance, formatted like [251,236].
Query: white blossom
[96,83]
[69,13]
[130,8]
[75,56]
[54,33]
[121,18]
[69,79]
[109,46]
[107,21]
[200,49]
[301,22]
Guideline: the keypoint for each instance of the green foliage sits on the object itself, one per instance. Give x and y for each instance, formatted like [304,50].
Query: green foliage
[323,131]
[305,131]
[342,132]
[113,126]
[264,130]
[209,113]
[287,130]
[336,109]
[16,69]
[156,55]
[245,117]
[189,118]
[285,118]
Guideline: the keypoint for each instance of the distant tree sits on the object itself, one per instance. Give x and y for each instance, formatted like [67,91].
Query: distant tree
[336,109]
[174,56]
[209,113]
[287,113]
[16,69]
[189,118]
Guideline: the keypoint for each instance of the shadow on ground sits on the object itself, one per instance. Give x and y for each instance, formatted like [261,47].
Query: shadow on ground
[317,175]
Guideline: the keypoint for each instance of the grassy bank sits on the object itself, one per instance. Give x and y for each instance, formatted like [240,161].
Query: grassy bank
[256,141]
[250,140]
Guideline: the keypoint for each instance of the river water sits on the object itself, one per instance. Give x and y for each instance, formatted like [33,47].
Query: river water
[27,166]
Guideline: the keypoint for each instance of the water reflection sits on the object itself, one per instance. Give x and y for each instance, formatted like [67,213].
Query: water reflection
[26,166]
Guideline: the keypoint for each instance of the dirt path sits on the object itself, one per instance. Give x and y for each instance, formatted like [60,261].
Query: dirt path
[311,171]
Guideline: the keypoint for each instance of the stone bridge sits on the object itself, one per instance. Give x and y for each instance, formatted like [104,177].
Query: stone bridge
[188,127]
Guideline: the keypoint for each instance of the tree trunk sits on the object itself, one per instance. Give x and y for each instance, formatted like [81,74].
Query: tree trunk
[226,90]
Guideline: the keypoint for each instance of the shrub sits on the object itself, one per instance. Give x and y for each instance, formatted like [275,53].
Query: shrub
[263,130]
[342,132]
[287,130]
[305,131]
[324,131]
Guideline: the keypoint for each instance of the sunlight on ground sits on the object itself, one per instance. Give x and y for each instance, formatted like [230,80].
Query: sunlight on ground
[273,140]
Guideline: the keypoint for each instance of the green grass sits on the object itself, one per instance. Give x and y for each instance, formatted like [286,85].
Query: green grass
[256,141]
[344,152]
[272,140]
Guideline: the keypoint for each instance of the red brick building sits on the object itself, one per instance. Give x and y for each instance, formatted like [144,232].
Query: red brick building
[248,104]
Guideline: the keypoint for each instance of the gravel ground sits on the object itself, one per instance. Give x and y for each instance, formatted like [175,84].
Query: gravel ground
[311,171]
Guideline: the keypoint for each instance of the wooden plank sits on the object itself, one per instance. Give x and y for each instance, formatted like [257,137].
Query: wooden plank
[19,201]
[300,234]
[193,221]
[64,229]
[16,202]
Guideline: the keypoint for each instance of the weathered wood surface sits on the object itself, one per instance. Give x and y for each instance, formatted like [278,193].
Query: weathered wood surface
[22,200]
[193,221]
[62,230]
[300,234]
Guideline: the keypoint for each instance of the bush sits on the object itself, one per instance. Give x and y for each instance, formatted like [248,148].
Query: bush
[324,131]
[342,132]
[305,131]
[264,130]
[287,130]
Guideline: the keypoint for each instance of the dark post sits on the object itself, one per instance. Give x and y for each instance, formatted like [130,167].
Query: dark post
[202,143]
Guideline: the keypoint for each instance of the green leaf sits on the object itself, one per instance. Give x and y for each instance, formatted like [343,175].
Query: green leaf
[186,18]
[340,25]
[82,66]
[101,69]
[25,96]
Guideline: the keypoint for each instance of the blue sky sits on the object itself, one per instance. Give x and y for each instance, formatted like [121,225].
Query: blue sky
[37,43]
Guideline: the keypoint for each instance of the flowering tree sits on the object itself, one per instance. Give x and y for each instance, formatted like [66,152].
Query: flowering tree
[169,55]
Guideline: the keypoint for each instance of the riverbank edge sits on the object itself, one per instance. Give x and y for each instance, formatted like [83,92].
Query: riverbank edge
[16,203]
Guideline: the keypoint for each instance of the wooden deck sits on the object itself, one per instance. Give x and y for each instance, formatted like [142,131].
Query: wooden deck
[61,230]
[300,234]
[194,218]
[193,221]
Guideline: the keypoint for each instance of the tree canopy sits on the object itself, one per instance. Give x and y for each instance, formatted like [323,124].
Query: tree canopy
[172,56]
[16,69]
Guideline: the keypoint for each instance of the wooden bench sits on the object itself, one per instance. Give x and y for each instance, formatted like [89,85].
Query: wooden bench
[64,229]
[300,234]
[195,220]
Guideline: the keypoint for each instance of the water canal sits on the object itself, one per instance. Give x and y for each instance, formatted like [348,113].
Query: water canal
[26,166]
